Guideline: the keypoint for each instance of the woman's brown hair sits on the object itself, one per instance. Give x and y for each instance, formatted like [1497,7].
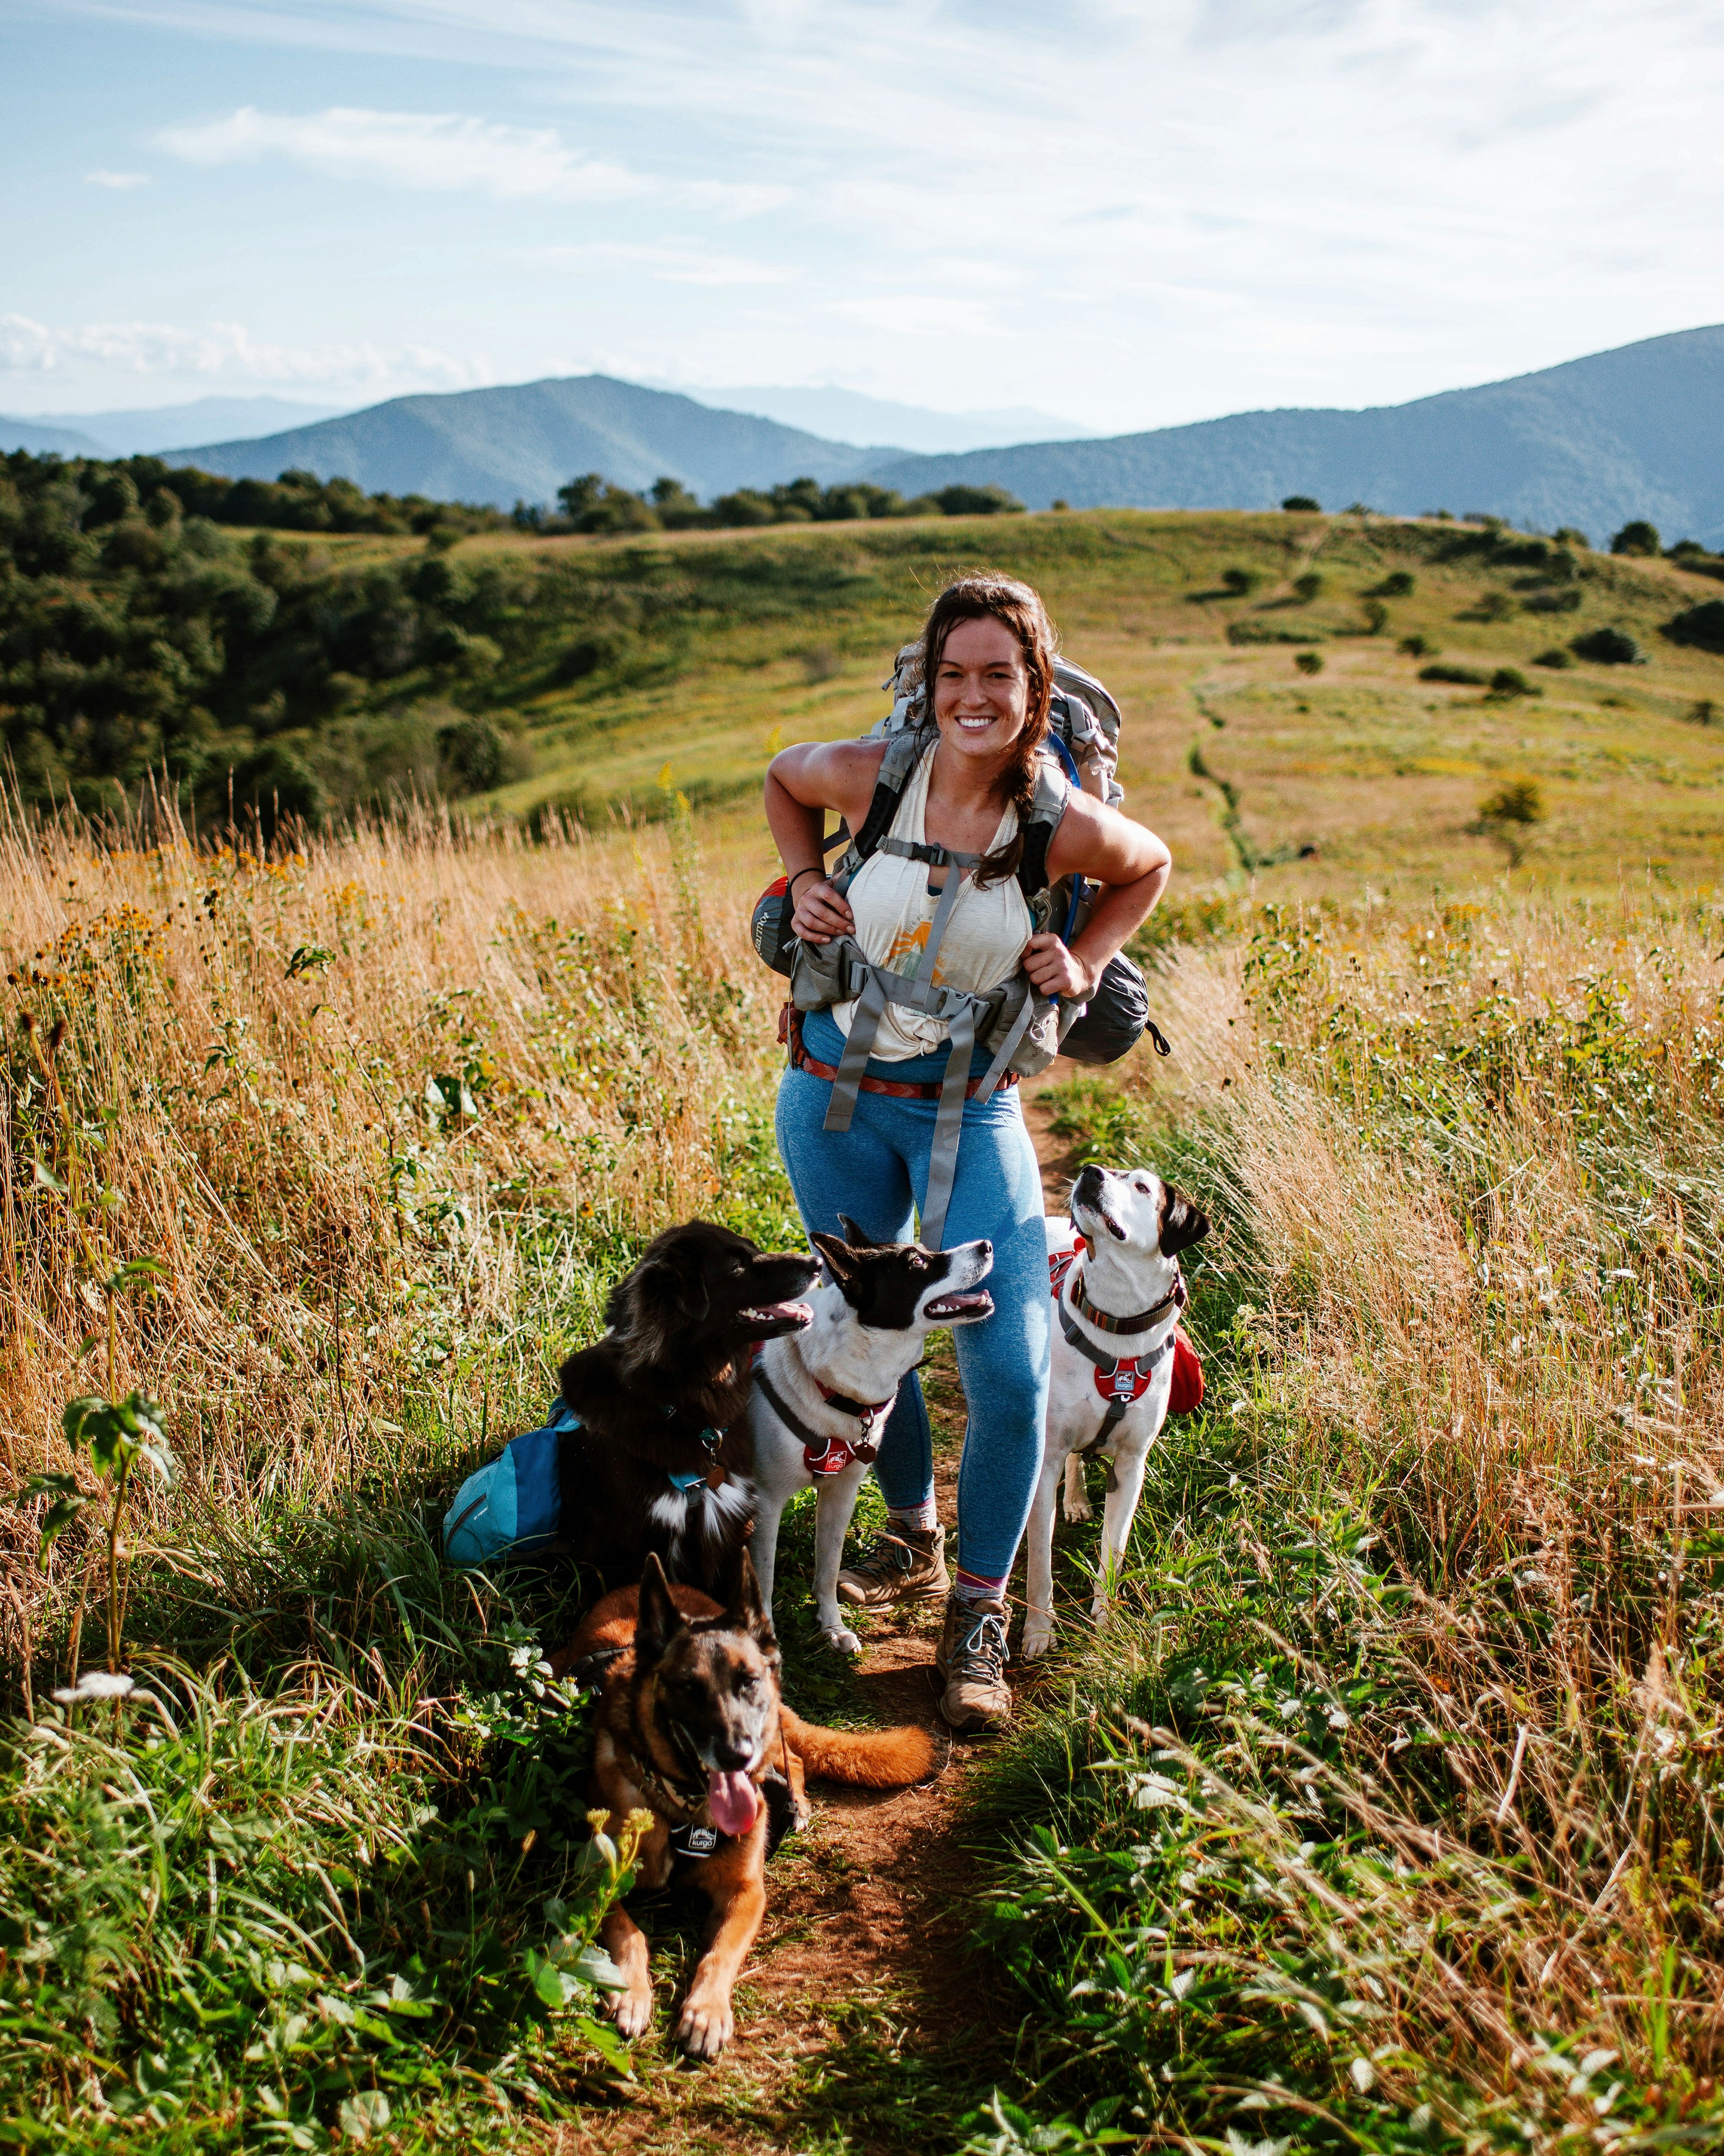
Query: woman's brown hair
[1019,609]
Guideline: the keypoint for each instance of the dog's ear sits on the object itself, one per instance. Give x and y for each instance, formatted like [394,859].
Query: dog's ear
[858,1237]
[839,1260]
[665,1293]
[1182,1224]
[660,1620]
[750,1612]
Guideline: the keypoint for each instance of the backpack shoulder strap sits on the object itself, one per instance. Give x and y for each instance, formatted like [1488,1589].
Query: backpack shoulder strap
[903,752]
[1052,790]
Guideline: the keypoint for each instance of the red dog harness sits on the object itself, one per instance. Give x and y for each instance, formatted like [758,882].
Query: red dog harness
[825,1456]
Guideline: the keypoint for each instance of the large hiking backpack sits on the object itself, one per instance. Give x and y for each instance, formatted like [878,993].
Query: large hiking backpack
[1023,1030]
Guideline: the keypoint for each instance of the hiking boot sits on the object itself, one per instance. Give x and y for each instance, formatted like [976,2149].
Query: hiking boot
[903,1564]
[970,1663]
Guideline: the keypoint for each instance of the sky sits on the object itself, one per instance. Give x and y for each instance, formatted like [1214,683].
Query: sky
[1130,213]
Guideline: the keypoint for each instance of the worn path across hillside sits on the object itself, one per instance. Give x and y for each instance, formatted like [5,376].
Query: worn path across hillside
[861,2012]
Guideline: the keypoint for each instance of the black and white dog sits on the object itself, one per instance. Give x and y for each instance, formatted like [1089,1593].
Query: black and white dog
[1114,1271]
[822,1396]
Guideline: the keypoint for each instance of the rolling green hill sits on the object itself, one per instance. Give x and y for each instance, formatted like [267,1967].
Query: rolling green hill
[599,677]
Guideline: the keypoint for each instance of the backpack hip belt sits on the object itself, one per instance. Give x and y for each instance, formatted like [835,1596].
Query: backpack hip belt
[896,1089]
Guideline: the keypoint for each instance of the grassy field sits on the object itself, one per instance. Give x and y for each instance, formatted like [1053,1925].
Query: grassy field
[708,650]
[1386,1813]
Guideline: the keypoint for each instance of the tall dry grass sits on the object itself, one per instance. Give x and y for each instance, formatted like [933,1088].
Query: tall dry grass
[1471,1165]
[392,1110]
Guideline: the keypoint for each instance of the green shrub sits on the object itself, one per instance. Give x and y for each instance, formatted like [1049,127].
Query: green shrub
[1417,647]
[1310,586]
[1302,502]
[1556,658]
[1568,535]
[1309,662]
[978,501]
[1240,582]
[1703,712]
[1702,626]
[1607,647]
[1467,677]
[1511,681]
[1398,584]
[1637,537]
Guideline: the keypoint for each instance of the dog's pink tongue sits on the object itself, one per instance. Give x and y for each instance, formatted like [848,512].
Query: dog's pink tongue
[733,1802]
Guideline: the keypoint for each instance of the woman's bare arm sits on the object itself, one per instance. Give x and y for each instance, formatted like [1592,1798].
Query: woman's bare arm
[1131,866]
[802,784]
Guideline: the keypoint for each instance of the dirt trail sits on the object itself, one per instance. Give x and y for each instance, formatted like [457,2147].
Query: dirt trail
[860,1938]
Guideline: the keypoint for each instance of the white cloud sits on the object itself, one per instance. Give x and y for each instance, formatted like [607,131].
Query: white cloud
[226,352]
[671,266]
[435,150]
[101,179]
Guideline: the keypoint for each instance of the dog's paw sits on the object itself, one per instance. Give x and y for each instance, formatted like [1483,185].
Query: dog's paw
[633,2012]
[843,1641]
[1037,1638]
[1076,1503]
[706,2026]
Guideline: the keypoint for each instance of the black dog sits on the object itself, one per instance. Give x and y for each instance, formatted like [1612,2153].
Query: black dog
[662,1461]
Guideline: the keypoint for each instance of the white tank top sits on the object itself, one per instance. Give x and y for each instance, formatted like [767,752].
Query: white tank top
[984,938]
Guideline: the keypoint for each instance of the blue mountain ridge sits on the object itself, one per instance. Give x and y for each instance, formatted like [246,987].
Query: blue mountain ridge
[1635,432]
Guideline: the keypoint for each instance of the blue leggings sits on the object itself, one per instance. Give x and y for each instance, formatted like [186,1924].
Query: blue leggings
[875,1171]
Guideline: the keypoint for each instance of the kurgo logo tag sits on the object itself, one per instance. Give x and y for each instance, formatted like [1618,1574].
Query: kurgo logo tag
[1126,1381]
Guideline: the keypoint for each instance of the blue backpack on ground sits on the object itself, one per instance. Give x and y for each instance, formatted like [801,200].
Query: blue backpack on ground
[512,1506]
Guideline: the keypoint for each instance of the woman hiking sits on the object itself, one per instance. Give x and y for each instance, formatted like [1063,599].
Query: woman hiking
[986,665]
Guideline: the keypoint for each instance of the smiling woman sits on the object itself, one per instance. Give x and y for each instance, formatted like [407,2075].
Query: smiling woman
[939,985]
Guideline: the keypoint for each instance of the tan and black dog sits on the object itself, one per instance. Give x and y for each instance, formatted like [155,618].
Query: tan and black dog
[690,1725]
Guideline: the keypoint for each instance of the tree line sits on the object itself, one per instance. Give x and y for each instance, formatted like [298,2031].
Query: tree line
[593,503]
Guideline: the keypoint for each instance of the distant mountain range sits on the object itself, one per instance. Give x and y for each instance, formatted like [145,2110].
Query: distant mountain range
[1636,431]
[521,443]
[845,415]
[141,432]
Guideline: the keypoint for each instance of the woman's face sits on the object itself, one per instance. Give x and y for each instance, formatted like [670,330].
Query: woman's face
[981,689]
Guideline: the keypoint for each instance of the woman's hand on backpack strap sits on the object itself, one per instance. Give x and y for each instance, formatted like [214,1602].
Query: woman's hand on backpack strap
[821,912]
[1055,971]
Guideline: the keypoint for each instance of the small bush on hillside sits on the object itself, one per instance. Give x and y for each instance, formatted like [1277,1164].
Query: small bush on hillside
[978,501]
[1240,582]
[1565,600]
[1297,502]
[1467,677]
[1607,647]
[1702,626]
[1509,815]
[1375,617]
[1555,658]
[1417,647]
[474,752]
[1703,713]
[1398,584]
[1491,606]
[1511,681]
[1310,586]
[1309,662]
[1637,537]
[1568,535]
[1059,502]
[592,654]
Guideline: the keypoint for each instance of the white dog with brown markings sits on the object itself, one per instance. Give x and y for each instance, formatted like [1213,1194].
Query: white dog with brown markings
[1114,1272]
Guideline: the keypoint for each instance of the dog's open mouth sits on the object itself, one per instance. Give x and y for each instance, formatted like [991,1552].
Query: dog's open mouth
[765,1318]
[956,1309]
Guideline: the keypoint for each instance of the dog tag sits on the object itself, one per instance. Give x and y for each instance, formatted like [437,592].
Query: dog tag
[695,1842]
[715,1476]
